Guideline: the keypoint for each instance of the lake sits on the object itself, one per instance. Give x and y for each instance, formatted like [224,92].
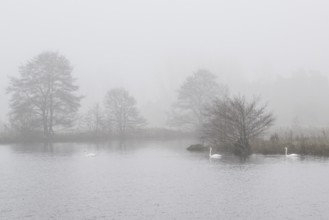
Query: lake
[157,180]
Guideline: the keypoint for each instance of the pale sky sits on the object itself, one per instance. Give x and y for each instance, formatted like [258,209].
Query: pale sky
[149,47]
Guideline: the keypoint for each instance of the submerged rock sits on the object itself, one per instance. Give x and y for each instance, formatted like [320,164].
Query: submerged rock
[197,147]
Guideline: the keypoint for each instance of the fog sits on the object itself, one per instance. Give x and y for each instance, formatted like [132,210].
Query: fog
[257,48]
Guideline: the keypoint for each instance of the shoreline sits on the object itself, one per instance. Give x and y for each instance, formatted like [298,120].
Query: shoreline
[88,138]
[303,146]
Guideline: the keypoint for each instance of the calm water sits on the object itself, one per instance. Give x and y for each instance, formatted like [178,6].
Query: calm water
[156,180]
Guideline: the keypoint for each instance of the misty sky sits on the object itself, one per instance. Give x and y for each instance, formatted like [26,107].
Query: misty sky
[149,47]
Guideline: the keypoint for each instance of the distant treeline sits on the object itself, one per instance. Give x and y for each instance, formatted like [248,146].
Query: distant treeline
[45,101]
[44,106]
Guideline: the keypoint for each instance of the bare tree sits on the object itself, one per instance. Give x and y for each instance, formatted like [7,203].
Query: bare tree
[121,112]
[199,90]
[95,120]
[235,122]
[43,96]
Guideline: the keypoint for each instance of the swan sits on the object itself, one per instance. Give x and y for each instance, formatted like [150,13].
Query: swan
[213,156]
[90,154]
[290,155]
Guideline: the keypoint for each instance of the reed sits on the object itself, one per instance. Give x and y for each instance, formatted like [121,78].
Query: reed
[303,143]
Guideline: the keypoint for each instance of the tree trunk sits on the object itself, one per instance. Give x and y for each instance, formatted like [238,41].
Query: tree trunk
[44,122]
[51,116]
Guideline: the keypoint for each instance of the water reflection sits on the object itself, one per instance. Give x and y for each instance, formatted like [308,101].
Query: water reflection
[156,180]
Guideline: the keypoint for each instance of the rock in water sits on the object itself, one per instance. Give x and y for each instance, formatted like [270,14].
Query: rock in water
[197,147]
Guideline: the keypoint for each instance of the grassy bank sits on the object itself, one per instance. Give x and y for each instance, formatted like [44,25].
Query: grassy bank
[316,144]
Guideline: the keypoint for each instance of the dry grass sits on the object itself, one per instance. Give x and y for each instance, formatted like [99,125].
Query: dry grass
[311,143]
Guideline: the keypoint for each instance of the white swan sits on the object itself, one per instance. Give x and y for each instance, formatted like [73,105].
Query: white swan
[213,156]
[290,155]
[90,154]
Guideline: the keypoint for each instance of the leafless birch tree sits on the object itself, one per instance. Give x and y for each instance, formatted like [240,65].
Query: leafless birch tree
[95,121]
[121,112]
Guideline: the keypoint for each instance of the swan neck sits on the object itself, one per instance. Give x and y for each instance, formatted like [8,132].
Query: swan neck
[286,151]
